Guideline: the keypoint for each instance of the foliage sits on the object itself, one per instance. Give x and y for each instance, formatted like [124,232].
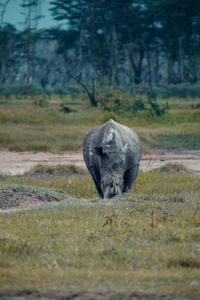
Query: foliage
[10,46]
[21,90]
[65,109]
[129,42]
[120,102]
[41,101]
[139,29]
[154,106]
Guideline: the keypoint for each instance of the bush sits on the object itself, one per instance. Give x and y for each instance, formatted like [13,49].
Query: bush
[21,90]
[184,90]
[118,102]
[155,108]
[65,109]
[41,101]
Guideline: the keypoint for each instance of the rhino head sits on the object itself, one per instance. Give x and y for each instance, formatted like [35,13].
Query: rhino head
[112,168]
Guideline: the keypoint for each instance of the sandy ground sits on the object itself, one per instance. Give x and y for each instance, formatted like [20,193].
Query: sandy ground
[17,163]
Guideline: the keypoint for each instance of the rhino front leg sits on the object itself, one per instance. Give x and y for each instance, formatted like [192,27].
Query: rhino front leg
[130,177]
[97,180]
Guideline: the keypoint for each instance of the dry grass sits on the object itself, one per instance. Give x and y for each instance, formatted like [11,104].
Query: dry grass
[25,127]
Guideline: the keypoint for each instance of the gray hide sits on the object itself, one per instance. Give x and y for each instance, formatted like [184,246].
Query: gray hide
[112,154]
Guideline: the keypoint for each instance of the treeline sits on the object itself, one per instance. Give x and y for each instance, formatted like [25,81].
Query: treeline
[115,42]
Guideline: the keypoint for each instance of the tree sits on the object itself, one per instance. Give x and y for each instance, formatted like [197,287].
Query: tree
[31,35]
[10,47]
[179,30]
[3,7]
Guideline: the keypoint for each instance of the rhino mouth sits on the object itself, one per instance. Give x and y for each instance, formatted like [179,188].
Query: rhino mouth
[113,189]
[111,193]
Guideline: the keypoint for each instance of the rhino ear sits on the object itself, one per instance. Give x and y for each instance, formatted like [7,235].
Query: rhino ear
[99,151]
[125,148]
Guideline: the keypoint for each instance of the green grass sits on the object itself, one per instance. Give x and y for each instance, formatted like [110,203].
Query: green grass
[177,141]
[56,169]
[143,243]
[176,185]
[24,127]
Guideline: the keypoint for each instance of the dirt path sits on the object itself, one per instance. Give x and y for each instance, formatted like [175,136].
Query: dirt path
[16,163]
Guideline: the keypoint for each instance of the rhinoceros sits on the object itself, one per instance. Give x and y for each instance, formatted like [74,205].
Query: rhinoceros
[112,154]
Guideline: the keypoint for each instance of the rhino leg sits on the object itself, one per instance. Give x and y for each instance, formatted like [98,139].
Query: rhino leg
[130,177]
[97,180]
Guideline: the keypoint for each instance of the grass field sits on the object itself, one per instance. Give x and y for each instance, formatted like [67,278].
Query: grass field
[142,245]
[24,126]
[145,244]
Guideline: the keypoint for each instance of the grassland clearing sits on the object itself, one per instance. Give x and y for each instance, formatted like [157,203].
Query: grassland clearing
[144,243]
[26,127]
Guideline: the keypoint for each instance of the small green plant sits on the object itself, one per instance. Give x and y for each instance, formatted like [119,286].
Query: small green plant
[107,115]
[155,108]
[117,102]
[65,109]
[172,168]
[41,100]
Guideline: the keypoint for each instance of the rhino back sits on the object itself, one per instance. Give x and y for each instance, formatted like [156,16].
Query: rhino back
[115,136]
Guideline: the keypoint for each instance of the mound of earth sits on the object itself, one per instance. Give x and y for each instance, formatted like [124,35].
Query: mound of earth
[173,168]
[22,196]
[43,171]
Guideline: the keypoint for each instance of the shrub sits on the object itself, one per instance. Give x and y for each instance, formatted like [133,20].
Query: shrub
[118,102]
[155,108]
[65,109]
[41,101]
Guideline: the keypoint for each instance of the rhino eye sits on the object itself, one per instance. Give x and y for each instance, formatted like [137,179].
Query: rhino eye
[99,151]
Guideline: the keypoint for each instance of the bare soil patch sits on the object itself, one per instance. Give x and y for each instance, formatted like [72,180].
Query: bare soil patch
[15,197]
[19,197]
[17,163]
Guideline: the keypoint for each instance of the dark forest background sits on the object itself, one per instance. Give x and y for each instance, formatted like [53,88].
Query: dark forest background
[115,43]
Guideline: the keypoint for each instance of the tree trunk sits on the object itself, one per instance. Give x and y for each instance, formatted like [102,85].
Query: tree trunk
[115,55]
[130,65]
[149,68]
[181,61]
[170,69]
[135,59]
[156,69]
[193,67]
[4,5]
[28,58]
[91,95]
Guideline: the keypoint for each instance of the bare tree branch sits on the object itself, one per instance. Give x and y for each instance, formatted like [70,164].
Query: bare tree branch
[3,6]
